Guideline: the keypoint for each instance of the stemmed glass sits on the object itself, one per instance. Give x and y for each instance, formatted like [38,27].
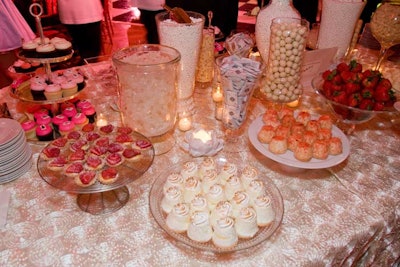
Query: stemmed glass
[385,27]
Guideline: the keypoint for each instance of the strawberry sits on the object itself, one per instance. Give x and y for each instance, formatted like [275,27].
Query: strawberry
[342,67]
[382,94]
[355,66]
[385,83]
[339,97]
[366,104]
[353,99]
[352,87]
[367,92]
[337,79]
[370,81]
[347,76]
[378,106]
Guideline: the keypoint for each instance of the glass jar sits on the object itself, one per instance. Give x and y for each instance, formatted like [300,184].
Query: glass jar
[287,47]
[205,66]
[275,9]
[147,76]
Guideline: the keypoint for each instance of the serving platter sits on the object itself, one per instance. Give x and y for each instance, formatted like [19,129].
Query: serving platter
[156,196]
[288,158]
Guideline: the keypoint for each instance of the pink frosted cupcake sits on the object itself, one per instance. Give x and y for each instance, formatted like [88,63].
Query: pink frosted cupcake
[57,120]
[37,90]
[66,127]
[53,91]
[80,81]
[44,132]
[40,113]
[79,120]
[69,112]
[69,88]
[59,79]
[43,119]
[82,103]
[29,128]
[89,112]
[69,73]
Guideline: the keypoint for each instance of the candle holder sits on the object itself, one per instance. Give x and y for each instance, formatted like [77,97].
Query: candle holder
[202,143]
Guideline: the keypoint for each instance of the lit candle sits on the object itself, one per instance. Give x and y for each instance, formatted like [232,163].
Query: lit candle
[101,120]
[218,111]
[202,135]
[185,124]
[293,104]
[217,95]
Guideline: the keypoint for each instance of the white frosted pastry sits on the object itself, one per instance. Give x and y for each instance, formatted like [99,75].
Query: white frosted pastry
[232,185]
[174,179]
[199,228]
[227,171]
[265,213]
[210,178]
[172,196]
[246,223]
[221,210]
[208,163]
[191,188]
[215,195]
[240,200]
[256,188]
[189,169]
[179,217]
[224,235]
[249,173]
[198,203]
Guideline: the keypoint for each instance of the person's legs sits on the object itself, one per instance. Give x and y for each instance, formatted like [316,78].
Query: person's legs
[149,21]
[86,38]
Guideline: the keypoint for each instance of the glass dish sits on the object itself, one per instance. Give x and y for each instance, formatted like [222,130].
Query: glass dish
[156,195]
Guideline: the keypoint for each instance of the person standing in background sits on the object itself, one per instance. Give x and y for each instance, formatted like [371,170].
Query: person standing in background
[148,11]
[82,18]
[13,29]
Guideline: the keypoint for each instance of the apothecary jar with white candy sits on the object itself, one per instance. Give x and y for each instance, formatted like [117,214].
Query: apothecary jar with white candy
[287,46]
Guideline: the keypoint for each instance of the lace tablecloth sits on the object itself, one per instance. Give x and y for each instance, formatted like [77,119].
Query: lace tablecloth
[342,216]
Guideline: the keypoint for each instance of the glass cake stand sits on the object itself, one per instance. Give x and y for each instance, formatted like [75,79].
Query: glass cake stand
[99,198]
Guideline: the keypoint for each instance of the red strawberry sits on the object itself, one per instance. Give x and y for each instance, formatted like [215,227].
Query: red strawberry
[352,87]
[381,94]
[340,97]
[355,66]
[378,106]
[353,100]
[367,92]
[342,67]
[366,104]
[347,76]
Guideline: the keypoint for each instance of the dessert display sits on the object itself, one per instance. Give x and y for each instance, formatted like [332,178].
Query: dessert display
[22,66]
[218,206]
[71,118]
[46,48]
[299,139]
[93,159]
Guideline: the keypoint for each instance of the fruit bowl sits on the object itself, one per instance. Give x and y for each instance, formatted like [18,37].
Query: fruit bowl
[346,113]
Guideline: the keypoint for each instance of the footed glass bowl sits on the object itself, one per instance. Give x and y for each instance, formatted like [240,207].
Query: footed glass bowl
[347,114]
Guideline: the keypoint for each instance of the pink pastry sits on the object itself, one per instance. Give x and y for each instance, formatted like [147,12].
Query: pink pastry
[44,132]
[80,120]
[43,119]
[59,79]
[37,90]
[53,91]
[83,103]
[60,118]
[70,112]
[66,127]
[40,112]
[89,111]
[78,78]
[29,128]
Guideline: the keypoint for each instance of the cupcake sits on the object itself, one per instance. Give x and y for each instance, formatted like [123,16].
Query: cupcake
[38,113]
[37,90]
[264,210]
[69,73]
[39,40]
[246,223]
[66,127]
[80,81]
[63,47]
[179,217]
[57,120]
[224,235]
[69,88]
[29,128]
[46,50]
[171,197]
[43,119]
[29,49]
[53,91]
[38,78]
[26,67]
[44,132]
[89,112]
[17,65]
[69,112]
[80,120]
[82,103]
[59,79]
[199,228]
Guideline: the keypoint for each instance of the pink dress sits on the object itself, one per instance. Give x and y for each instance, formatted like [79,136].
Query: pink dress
[12,25]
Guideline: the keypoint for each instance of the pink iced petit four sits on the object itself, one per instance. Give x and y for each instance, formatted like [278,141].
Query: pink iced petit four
[44,132]
[43,119]
[69,112]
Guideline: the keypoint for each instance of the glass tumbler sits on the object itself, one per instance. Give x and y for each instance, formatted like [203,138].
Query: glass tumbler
[205,66]
[147,77]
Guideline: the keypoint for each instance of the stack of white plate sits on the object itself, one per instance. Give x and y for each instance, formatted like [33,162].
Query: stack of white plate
[15,152]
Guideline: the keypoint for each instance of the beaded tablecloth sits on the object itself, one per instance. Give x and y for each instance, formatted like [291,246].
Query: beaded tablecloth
[342,216]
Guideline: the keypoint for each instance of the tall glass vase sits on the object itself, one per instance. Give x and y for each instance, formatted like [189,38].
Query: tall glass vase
[275,9]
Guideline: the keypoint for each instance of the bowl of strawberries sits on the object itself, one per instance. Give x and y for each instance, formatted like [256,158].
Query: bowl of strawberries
[355,95]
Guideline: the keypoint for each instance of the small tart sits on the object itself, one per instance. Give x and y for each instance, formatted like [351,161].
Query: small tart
[86,178]
[108,176]
[114,159]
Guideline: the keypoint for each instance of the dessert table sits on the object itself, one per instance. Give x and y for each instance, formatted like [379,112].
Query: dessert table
[346,215]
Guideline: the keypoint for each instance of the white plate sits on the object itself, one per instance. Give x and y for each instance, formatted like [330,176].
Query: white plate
[18,162]
[9,129]
[288,157]
[18,173]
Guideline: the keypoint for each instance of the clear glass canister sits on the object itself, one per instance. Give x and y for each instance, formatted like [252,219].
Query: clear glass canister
[147,76]
[205,66]
[287,46]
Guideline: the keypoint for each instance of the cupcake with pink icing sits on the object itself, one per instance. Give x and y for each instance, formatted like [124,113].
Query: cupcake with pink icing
[29,128]
[82,103]
[53,91]
[69,73]
[69,112]
[66,127]
[40,112]
[44,132]
[80,81]
[79,120]
[89,112]
[46,50]
[63,47]
[69,88]
[59,79]
[43,119]
[57,120]
[37,90]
